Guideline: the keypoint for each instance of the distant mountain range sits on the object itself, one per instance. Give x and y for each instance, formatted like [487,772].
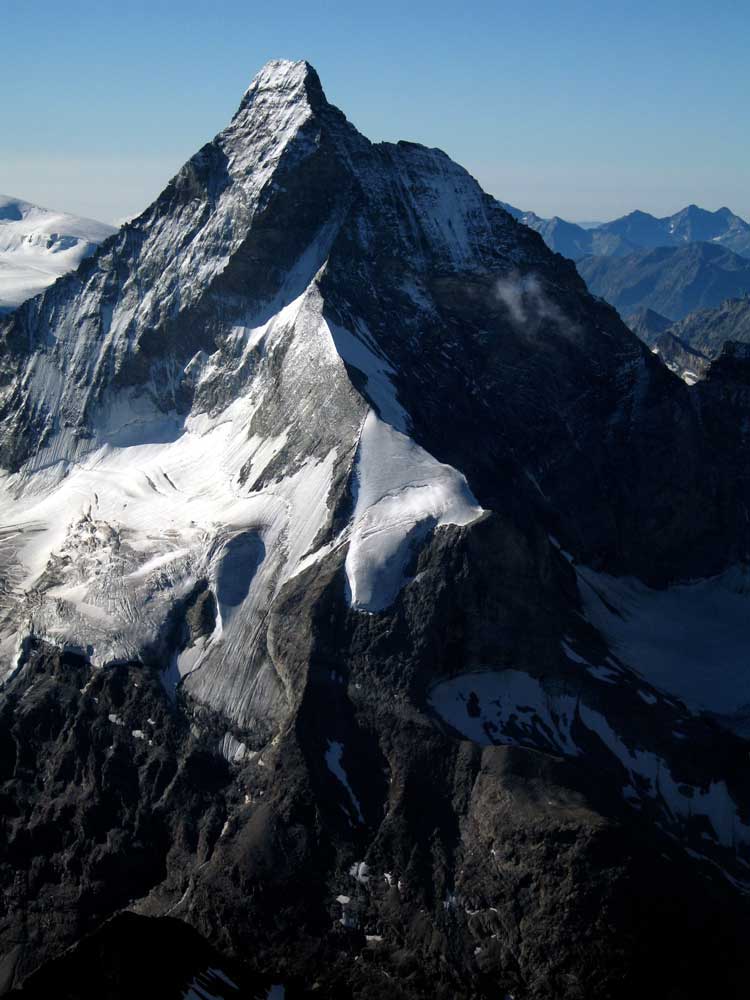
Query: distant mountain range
[38,245]
[639,231]
[658,271]
[689,346]
[673,281]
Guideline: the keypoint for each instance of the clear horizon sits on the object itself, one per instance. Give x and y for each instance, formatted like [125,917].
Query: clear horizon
[577,112]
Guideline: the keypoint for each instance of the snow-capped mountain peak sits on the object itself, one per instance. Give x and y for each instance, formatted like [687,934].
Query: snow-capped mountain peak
[295,79]
[38,245]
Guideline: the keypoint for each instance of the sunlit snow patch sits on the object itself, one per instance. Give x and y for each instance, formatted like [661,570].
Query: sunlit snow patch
[38,245]
[507,706]
[402,493]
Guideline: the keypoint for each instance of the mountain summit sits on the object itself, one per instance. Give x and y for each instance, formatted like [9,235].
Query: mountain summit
[359,581]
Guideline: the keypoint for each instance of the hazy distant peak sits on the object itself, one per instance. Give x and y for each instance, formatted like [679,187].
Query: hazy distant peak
[38,245]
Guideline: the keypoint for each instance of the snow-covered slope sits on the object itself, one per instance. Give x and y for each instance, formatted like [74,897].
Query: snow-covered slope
[104,545]
[689,640]
[38,245]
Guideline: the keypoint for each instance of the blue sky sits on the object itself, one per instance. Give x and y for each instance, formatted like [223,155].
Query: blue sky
[581,109]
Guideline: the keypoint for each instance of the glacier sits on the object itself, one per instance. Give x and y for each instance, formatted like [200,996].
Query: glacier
[38,245]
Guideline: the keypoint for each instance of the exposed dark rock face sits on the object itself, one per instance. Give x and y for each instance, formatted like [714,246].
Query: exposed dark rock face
[306,593]
[103,783]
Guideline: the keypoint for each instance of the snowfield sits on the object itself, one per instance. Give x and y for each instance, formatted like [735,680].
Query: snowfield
[38,245]
[402,493]
[690,640]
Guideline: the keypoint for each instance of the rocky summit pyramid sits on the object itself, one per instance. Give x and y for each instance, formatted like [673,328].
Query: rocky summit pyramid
[373,601]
